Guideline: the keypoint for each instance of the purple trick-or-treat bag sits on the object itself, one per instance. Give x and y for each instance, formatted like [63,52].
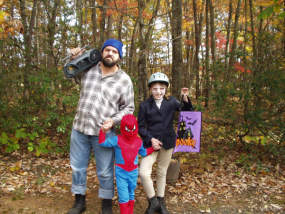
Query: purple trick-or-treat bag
[188,132]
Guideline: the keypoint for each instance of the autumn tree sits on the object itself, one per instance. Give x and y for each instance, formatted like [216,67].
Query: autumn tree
[145,30]
[28,30]
[176,32]
[198,20]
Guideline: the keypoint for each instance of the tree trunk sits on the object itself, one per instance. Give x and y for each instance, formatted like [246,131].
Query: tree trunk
[260,50]
[244,80]
[109,28]
[213,40]
[188,47]
[187,80]
[142,55]
[234,46]
[37,35]
[102,23]
[51,13]
[228,34]
[254,50]
[28,33]
[177,60]
[94,23]
[207,79]
[79,22]
[197,26]
[131,57]
[283,37]
[168,29]
[120,27]
[145,38]
[252,32]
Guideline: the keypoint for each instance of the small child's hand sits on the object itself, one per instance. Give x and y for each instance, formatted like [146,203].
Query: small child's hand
[156,144]
[185,91]
[107,125]
[185,94]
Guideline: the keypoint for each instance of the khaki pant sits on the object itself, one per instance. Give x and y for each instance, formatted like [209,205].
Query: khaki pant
[163,158]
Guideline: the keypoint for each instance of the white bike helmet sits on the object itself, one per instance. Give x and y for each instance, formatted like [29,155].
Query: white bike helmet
[158,77]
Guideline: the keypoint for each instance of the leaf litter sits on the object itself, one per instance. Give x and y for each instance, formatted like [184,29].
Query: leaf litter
[219,186]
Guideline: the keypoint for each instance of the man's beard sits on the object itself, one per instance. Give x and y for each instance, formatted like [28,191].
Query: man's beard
[108,63]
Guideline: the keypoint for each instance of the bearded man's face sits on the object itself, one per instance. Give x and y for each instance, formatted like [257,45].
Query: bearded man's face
[110,56]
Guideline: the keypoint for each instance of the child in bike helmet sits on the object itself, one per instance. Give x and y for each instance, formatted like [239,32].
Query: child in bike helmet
[155,120]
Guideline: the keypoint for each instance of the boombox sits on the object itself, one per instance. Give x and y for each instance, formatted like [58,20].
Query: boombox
[82,63]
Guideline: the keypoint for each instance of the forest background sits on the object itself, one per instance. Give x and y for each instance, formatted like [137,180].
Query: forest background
[231,54]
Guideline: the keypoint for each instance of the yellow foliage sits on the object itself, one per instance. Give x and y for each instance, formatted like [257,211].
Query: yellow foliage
[3,16]
[277,9]
[240,38]
[264,3]
[200,5]
[187,25]
[9,27]
[248,48]
[17,166]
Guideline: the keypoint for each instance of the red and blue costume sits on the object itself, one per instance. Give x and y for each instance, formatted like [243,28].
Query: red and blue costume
[127,146]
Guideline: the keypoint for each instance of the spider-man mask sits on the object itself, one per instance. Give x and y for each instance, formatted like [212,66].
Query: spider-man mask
[129,126]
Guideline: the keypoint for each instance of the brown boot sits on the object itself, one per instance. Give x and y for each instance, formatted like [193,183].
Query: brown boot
[79,205]
[153,206]
[163,209]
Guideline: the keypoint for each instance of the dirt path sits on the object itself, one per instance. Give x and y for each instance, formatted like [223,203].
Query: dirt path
[206,184]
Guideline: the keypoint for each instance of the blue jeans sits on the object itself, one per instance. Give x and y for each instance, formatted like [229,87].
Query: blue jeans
[80,148]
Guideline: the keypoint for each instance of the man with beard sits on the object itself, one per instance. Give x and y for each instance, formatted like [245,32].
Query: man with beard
[106,96]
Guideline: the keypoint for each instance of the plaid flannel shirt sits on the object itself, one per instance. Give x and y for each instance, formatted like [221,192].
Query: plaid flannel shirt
[101,98]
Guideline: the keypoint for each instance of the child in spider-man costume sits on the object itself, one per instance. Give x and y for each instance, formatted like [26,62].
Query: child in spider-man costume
[127,146]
